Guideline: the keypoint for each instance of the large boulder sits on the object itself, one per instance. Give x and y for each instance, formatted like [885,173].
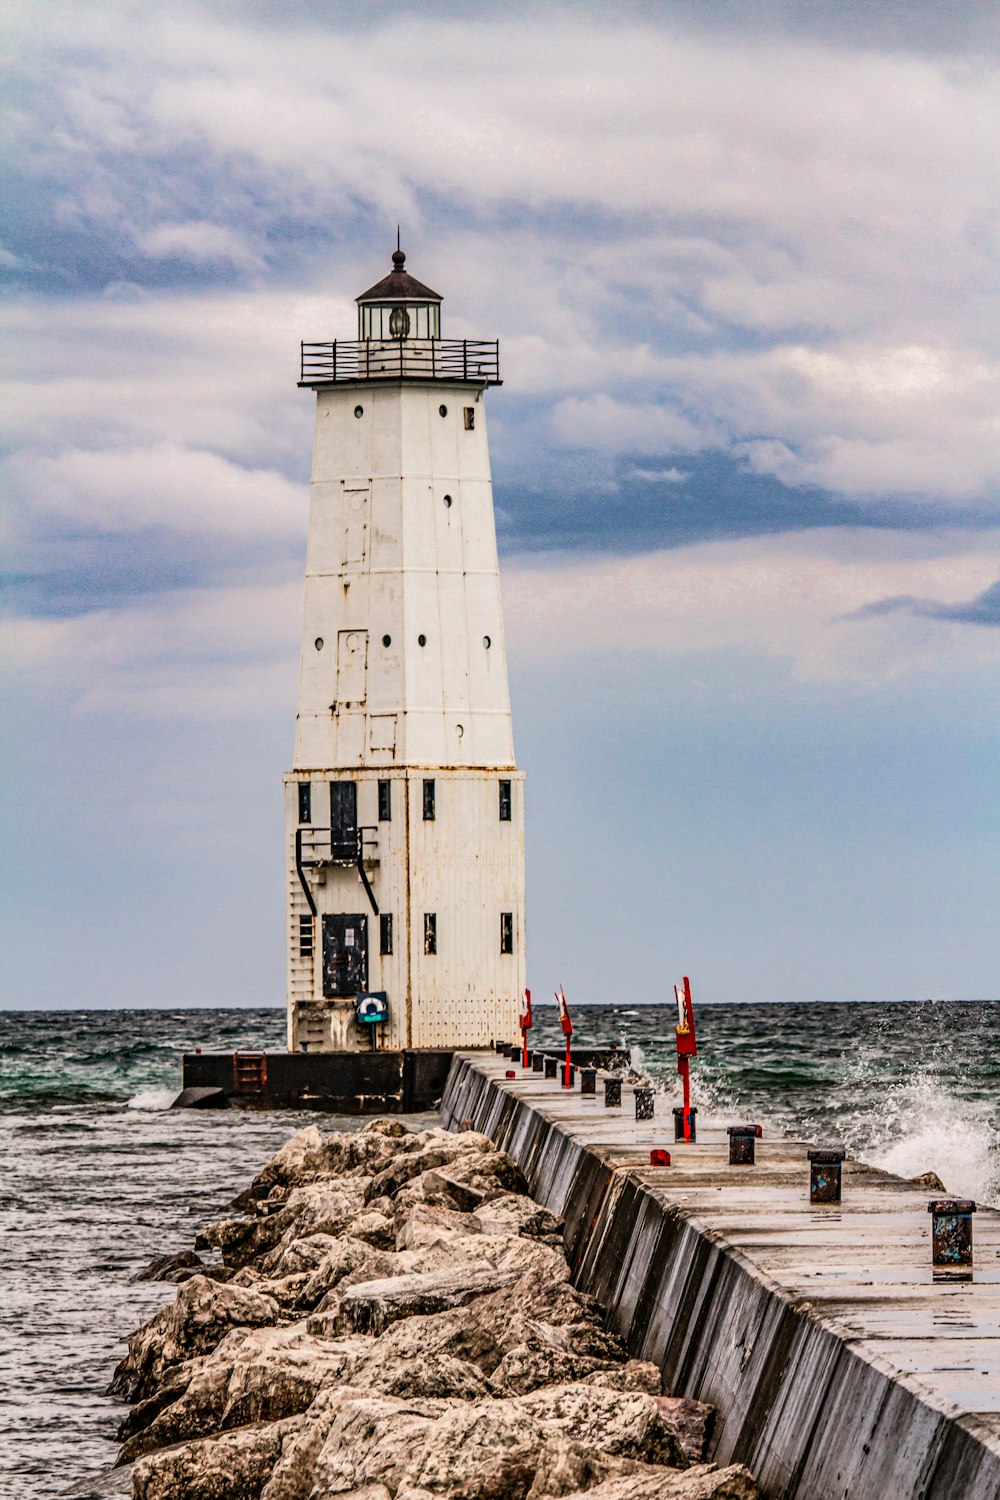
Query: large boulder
[235,1466]
[316,1208]
[703,1483]
[371,1306]
[437,1149]
[200,1316]
[516,1213]
[350,1441]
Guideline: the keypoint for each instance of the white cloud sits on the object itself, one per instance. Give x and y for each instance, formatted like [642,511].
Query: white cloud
[792,598]
[198,242]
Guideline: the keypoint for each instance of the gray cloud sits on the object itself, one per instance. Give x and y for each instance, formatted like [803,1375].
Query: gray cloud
[984,609]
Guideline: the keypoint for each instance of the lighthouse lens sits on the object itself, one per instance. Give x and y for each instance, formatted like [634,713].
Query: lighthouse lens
[399,323]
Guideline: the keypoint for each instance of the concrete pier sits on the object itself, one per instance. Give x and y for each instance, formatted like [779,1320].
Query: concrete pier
[840,1369]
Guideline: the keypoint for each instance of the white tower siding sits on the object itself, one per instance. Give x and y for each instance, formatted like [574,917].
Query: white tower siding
[409,684]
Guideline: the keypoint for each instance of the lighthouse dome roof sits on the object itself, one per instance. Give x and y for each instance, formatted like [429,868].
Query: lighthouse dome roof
[399,286]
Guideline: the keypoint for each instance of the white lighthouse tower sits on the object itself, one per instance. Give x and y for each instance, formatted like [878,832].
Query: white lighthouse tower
[404,808]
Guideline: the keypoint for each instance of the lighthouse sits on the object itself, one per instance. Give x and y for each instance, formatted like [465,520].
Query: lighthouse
[404,808]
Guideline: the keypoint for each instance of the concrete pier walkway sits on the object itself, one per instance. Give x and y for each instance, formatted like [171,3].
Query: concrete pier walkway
[840,1369]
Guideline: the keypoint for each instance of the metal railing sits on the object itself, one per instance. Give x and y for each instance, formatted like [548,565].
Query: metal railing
[320,846]
[476,360]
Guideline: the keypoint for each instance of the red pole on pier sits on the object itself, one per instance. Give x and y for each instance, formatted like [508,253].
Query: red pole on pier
[687,1046]
[525,1026]
[567,1026]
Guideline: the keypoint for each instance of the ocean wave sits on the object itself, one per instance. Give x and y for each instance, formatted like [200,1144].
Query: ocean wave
[152,1099]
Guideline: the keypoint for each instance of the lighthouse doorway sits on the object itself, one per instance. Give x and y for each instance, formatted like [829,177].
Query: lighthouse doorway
[345,955]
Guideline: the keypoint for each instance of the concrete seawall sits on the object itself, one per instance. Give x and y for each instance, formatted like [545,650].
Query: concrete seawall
[840,1370]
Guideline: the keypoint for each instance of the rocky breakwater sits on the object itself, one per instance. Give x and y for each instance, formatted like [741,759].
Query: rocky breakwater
[390,1317]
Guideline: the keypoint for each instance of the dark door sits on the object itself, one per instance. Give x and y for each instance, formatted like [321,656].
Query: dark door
[344,819]
[345,955]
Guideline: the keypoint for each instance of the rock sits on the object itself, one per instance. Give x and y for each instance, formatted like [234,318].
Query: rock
[259,1375]
[525,1369]
[691,1420]
[287,1291]
[370,1306]
[351,1441]
[303,1254]
[234,1466]
[164,1266]
[316,1208]
[202,1313]
[375,1228]
[515,1213]
[636,1375]
[472,1179]
[437,1151]
[393,1129]
[351,1262]
[627,1423]
[930,1182]
[298,1160]
[567,1468]
[423,1224]
[702,1483]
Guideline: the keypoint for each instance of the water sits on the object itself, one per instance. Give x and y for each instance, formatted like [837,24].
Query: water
[96,1177]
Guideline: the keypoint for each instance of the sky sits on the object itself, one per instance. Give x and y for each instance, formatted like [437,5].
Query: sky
[742,261]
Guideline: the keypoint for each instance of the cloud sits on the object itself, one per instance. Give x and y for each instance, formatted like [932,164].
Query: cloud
[984,609]
[815,601]
[198,242]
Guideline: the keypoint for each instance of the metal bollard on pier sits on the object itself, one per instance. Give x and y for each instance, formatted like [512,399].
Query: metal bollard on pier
[951,1237]
[742,1145]
[551,1067]
[644,1105]
[588,1082]
[612,1093]
[691,1122]
[825,1174]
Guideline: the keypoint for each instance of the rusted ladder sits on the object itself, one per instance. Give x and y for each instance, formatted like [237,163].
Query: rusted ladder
[249,1072]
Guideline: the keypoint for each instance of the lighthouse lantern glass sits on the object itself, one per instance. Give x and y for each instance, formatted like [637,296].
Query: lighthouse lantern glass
[419,320]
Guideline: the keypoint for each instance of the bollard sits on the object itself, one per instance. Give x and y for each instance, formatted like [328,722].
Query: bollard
[551,1067]
[568,1075]
[588,1081]
[538,1062]
[742,1145]
[951,1237]
[824,1175]
[659,1158]
[679,1124]
[644,1104]
[612,1093]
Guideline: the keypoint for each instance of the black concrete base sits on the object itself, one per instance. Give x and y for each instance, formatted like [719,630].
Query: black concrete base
[350,1083]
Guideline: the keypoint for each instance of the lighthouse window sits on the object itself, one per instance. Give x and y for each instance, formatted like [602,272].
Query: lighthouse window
[429,802]
[421,640]
[430,932]
[505,801]
[318,643]
[385,801]
[305,801]
[447,502]
[487,642]
[470,418]
[506,932]
[387,640]
[359,411]
[442,411]
[385,933]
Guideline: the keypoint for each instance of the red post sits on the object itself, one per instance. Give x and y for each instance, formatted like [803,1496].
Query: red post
[525,1026]
[687,1046]
[567,1026]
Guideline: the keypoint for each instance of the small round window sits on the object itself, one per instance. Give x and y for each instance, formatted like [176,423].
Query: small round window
[442,411]
[318,643]
[359,411]
[387,640]
[447,502]
[487,642]
[421,640]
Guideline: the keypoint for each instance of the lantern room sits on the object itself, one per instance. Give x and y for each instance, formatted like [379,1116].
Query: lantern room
[399,307]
